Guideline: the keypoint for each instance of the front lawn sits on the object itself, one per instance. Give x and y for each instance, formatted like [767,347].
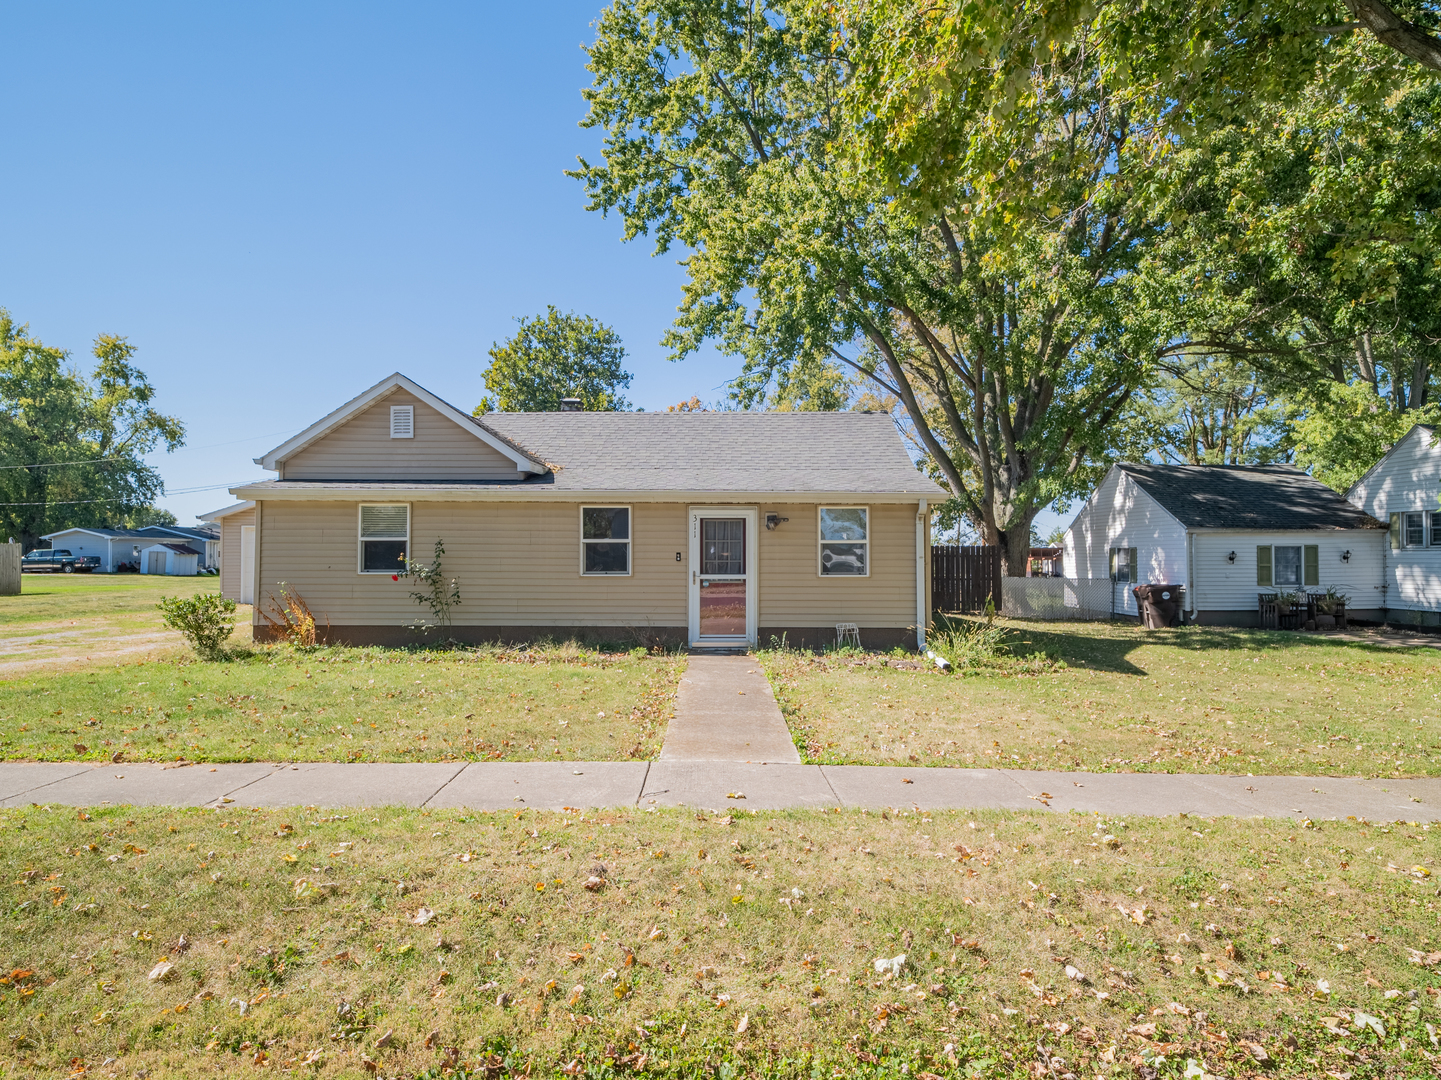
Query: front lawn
[53,600]
[1107,697]
[408,943]
[546,703]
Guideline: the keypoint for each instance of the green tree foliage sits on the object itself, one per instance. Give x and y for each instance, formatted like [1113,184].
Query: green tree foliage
[555,356]
[1211,410]
[1012,343]
[143,516]
[73,445]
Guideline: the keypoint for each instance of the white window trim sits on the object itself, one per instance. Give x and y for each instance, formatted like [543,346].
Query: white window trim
[820,544]
[1433,520]
[1300,582]
[360,540]
[407,411]
[628,542]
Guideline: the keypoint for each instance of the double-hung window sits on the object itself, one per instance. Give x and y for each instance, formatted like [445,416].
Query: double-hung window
[384,537]
[605,540]
[1123,565]
[845,536]
[1413,529]
[1288,566]
[1436,528]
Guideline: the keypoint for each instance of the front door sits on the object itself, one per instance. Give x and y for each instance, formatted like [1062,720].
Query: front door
[723,578]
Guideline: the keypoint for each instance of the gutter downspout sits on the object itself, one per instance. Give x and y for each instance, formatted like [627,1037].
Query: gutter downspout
[1191,574]
[922,601]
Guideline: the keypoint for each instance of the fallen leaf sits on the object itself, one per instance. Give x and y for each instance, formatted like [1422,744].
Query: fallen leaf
[744,1024]
[161,971]
[423,916]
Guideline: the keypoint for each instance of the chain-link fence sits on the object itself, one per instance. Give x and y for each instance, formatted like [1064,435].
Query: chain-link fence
[1057,598]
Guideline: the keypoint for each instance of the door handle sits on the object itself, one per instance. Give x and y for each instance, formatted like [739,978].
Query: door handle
[693,575]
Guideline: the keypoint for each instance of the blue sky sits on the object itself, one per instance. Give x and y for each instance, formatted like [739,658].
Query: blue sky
[279,204]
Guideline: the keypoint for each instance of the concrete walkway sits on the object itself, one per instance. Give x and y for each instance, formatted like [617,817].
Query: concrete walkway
[725,710]
[712,785]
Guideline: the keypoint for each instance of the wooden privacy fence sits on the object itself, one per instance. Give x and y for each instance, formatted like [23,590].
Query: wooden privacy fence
[964,578]
[9,569]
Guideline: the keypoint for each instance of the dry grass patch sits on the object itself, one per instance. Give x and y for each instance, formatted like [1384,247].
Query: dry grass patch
[671,944]
[545,703]
[1103,697]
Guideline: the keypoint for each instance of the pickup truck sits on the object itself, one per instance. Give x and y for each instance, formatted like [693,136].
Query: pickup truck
[59,560]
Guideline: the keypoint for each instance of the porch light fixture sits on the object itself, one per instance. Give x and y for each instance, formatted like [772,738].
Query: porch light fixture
[1346,555]
[1231,557]
[773,520]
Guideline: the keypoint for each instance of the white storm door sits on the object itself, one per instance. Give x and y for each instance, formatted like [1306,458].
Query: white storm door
[247,564]
[724,583]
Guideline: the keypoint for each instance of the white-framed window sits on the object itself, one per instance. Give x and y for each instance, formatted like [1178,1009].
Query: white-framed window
[1286,566]
[402,421]
[1123,568]
[1436,528]
[384,537]
[844,541]
[605,540]
[1413,529]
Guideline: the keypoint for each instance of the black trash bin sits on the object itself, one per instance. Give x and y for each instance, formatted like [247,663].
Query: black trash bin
[1160,605]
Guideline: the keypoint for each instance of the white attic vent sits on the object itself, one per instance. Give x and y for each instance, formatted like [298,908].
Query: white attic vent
[402,421]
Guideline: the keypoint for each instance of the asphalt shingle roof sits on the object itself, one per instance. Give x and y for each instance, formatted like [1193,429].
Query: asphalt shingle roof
[853,452]
[1272,497]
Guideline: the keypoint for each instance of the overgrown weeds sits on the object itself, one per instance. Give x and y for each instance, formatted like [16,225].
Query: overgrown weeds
[290,619]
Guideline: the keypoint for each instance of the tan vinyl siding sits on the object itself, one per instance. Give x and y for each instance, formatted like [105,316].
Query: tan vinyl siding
[230,551]
[794,594]
[362,449]
[518,564]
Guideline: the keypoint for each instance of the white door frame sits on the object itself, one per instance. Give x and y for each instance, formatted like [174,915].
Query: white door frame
[751,514]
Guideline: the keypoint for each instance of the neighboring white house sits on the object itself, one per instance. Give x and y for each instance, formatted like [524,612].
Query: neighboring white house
[237,550]
[1404,490]
[176,560]
[1225,533]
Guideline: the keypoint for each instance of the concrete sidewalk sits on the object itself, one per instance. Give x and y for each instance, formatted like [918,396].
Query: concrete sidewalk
[725,710]
[711,785]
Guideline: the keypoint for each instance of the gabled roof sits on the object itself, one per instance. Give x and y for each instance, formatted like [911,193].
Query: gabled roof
[839,452]
[1277,498]
[226,511]
[179,549]
[524,462]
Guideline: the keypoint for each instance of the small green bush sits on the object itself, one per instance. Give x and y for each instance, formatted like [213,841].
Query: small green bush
[204,619]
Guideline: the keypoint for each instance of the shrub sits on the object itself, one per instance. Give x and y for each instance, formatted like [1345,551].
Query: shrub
[204,619]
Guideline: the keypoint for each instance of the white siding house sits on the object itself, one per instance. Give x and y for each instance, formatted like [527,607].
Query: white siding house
[1403,489]
[1225,533]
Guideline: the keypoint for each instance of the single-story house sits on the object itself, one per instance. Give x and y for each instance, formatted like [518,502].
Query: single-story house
[714,529]
[1225,533]
[176,560]
[1403,489]
[117,546]
[236,549]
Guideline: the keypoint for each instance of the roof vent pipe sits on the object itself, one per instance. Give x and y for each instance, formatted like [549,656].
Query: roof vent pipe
[570,404]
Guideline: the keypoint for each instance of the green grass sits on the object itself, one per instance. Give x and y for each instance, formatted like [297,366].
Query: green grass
[1103,697]
[552,703]
[713,946]
[53,599]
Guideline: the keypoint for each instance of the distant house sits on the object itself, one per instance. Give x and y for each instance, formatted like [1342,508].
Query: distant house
[711,529]
[1403,489]
[1226,533]
[237,549]
[176,560]
[117,546]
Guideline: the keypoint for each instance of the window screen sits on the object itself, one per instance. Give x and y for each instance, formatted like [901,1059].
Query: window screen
[845,541]
[605,539]
[384,538]
[723,546]
[1286,567]
[1435,529]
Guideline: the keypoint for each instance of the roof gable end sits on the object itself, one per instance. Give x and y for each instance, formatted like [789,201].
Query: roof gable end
[525,461]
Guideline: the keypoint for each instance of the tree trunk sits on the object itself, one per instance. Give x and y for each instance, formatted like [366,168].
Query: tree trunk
[1015,543]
